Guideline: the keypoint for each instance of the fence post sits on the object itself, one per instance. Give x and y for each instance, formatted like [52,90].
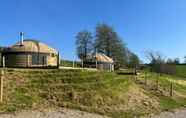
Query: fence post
[73,64]
[1,80]
[171,89]
[82,64]
[135,77]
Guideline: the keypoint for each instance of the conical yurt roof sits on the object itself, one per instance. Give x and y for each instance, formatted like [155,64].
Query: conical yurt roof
[103,58]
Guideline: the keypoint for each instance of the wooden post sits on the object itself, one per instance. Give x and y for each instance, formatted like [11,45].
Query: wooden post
[110,70]
[96,64]
[96,59]
[58,60]
[135,76]
[135,70]
[73,63]
[171,89]
[82,64]
[1,80]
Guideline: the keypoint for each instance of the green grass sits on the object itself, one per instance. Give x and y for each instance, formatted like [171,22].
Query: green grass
[117,96]
[163,93]
[99,92]
[181,70]
[168,103]
[68,63]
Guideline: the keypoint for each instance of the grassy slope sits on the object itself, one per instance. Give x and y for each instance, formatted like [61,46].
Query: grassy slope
[68,63]
[163,93]
[181,70]
[105,93]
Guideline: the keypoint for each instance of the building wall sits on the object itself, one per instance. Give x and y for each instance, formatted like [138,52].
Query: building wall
[108,67]
[26,60]
[52,61]
[16,60]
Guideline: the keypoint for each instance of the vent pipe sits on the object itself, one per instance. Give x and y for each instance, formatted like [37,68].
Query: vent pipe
[21,38]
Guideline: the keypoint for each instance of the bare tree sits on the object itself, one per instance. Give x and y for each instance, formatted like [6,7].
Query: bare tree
[159,64]
[84,44]
[154,57]
[177,61]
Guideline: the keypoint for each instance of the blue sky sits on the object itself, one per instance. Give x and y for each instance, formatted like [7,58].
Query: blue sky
[158,25]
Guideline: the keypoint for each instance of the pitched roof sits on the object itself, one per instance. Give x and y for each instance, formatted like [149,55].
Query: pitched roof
[103,58]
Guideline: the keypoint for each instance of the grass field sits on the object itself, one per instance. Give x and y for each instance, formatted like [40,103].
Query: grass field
[118,96]
[166,101]
[68,63]
[181,70]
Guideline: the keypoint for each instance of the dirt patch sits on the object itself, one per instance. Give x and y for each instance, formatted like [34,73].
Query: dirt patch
[137,96]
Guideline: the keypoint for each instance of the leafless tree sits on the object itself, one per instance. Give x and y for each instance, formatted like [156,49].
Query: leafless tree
[159,64]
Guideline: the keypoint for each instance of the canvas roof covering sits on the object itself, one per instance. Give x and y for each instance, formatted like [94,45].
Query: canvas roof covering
[103,58]
[30,45]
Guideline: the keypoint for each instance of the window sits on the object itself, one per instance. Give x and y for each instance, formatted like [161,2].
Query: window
[39,59]
[34,59]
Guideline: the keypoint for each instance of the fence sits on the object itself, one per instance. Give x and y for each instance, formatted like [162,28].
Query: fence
[155,81]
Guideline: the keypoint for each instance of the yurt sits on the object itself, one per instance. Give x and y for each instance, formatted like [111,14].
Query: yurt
[30,53]
[100,61]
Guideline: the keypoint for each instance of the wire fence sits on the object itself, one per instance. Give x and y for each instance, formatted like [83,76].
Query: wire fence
[157,82]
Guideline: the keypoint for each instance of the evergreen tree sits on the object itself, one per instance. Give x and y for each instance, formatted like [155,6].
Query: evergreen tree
[108,42]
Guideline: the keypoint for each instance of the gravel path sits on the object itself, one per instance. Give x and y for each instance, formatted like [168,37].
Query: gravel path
[68,113]
[175,114]
[63,113]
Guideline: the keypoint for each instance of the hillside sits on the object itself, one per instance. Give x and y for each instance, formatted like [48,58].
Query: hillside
[104,93]
[181,70]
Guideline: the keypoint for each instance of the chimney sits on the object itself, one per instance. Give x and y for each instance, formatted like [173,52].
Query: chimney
[21,38]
